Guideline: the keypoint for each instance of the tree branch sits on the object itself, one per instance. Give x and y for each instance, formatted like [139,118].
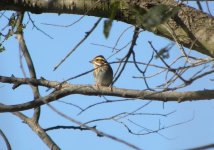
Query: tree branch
[67,127]
[192,27]
[93,129]
[79,43]
[23,46]
[38,130]
[210,146]
[69,89]
[5,139]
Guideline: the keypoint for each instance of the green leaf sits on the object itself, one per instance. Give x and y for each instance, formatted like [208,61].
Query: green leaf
[158,15]
[12,20]
[107,27]
[164,52]
[2,48]
[114,5]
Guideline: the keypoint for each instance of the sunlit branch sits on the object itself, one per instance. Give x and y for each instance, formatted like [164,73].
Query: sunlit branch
[78,20]
[69,89]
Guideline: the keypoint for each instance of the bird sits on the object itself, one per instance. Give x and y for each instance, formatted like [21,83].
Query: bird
[103,73]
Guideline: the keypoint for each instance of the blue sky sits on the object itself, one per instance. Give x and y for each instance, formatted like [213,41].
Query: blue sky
[46,53]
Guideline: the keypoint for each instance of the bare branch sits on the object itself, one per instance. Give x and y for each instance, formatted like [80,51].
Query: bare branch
[157,130]
[23,46]
[98,132]
[67,127]
[38,130]
[80,42]
[37,28]
[78,20]
[126,58]
[209,146]
[5,140]
[169,68]
[204,44]
[68,89]
[76,106]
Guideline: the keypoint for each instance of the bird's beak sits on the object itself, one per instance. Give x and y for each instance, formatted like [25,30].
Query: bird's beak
[91,61]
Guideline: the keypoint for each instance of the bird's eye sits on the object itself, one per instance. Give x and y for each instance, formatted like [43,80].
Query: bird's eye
[99,60]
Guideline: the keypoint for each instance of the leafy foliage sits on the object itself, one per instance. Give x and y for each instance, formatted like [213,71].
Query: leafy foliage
[107,27]
[164,52]
[2,48]
[114,5]
[158,15]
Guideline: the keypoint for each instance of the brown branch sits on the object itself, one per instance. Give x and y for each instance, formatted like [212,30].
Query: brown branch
[31,122]
[23,46]
[69,89]
[188,26]
[38,130]
[37,28]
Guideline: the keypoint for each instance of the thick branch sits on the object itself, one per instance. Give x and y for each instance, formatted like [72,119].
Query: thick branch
[69,89]
[38,130]
[193,28]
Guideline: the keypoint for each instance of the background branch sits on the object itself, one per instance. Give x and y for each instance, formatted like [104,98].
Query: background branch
[5,140]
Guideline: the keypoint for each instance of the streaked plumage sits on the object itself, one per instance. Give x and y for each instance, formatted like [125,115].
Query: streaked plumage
[103,73]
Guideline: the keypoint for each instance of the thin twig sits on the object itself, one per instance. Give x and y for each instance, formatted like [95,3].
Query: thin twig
[5,140]
[169,68]
[71,104]
[80,42]
[37,28]
[120,37]
[98,132]
[134,40]
[65,127]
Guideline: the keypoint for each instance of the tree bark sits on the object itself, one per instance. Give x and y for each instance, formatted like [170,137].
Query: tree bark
[66,89]
[193,28]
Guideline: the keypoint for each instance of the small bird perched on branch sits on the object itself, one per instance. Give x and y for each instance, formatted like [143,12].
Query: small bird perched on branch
[103,73]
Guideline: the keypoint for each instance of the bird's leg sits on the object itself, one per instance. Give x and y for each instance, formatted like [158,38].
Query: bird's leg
[111,87]
[97,85]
